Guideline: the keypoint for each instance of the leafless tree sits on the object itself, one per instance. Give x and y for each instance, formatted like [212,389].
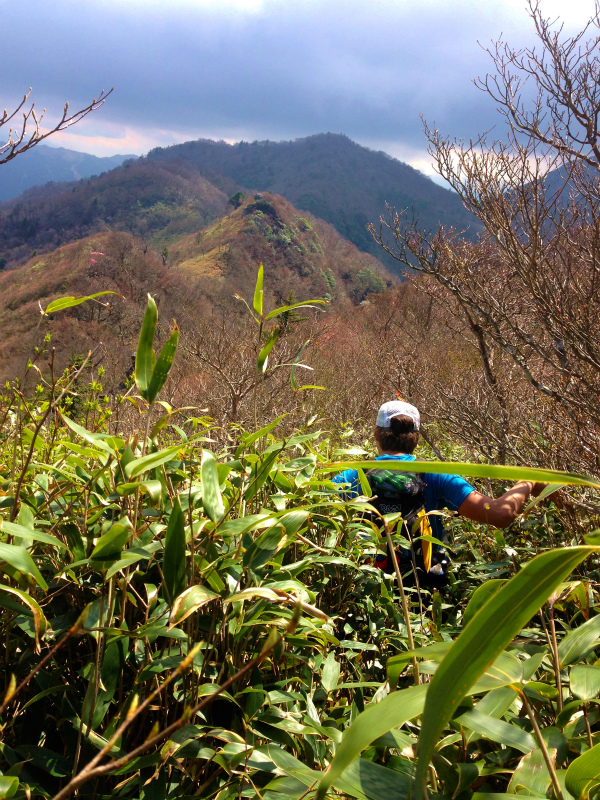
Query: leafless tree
[25,125]
[528,288]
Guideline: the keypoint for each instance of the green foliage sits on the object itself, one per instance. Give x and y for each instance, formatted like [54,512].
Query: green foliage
[181,621]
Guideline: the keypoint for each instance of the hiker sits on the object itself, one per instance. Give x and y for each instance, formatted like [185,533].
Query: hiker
[414,495]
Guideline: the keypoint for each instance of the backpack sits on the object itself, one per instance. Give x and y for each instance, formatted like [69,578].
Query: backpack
[404,493]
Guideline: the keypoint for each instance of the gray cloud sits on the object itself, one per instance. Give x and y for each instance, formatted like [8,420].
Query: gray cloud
[189,69]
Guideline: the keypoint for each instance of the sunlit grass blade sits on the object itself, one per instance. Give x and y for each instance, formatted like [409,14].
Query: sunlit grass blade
[39,620]
[485,637]
[377,719]
[579,641]
[499,472]
[69,302]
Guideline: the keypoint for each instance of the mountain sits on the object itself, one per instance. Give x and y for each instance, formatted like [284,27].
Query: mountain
[183,188]
[148,200]
[332,177]
[198,276]
[43,164]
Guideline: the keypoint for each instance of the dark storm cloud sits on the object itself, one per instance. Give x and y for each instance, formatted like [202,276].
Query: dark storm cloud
[280,70]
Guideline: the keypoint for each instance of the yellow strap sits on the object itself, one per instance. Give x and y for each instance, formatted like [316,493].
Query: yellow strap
[425,530]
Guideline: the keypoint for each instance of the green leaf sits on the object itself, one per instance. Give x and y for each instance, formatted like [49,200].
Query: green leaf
[487,635]
[364,778]
[258,292]
[365,486]
[152,488]
[27,533]
[578,642]
[263,356]
[296,361]
[377,719]
[583,774]
[163,365]
[249,440]
[331,673]
[69,302]
[8,786]
[259,475]
[174,556]
[189,601]
[39,620]
[19,559]
[396,664]
[531,774]
[211,492]
[109,545]
[264,547]
[480,597]
[284,309]
[144,357]
[500,472]
[143,464]
[97,439]
[585,681]
[497,730]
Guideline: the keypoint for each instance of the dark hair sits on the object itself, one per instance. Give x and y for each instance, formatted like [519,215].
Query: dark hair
[400,437]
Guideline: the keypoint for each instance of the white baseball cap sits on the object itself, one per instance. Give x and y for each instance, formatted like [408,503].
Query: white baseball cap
[397,408]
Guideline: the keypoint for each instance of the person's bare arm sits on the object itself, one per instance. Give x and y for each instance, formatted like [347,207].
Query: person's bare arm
[502,511]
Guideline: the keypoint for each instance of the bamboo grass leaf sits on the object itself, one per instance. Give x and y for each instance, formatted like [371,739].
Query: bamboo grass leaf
[144,358]
[39,620]
[579,641]
[189,601]
[263,356]
[19,559]
[211,491]
[585,681]
[487,635]
[163,365]
[583,774]
[69,302]
[110,544]
[174,555]
[143,464]
[13,529]
[499,472]
[258,292]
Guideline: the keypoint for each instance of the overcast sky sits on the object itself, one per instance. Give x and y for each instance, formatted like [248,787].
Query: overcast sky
[261,69]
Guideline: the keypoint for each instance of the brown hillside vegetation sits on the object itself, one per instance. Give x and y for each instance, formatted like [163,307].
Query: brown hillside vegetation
[303,258]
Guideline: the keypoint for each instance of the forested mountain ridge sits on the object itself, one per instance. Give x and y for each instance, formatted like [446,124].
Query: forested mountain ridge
[183,188]
[44,164]
[155,201]
[332,177]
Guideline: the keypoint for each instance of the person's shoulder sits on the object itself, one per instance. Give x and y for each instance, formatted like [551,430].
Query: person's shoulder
[347,476]
[449,487]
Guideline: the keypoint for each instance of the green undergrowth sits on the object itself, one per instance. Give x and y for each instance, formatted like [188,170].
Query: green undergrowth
[187,619]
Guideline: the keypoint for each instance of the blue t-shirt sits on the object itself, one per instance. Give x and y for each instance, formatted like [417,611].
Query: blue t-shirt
[441,491]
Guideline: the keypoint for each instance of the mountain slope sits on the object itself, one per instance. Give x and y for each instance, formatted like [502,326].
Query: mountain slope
[147,200]
[302,256]
[42,164]
[332,177]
